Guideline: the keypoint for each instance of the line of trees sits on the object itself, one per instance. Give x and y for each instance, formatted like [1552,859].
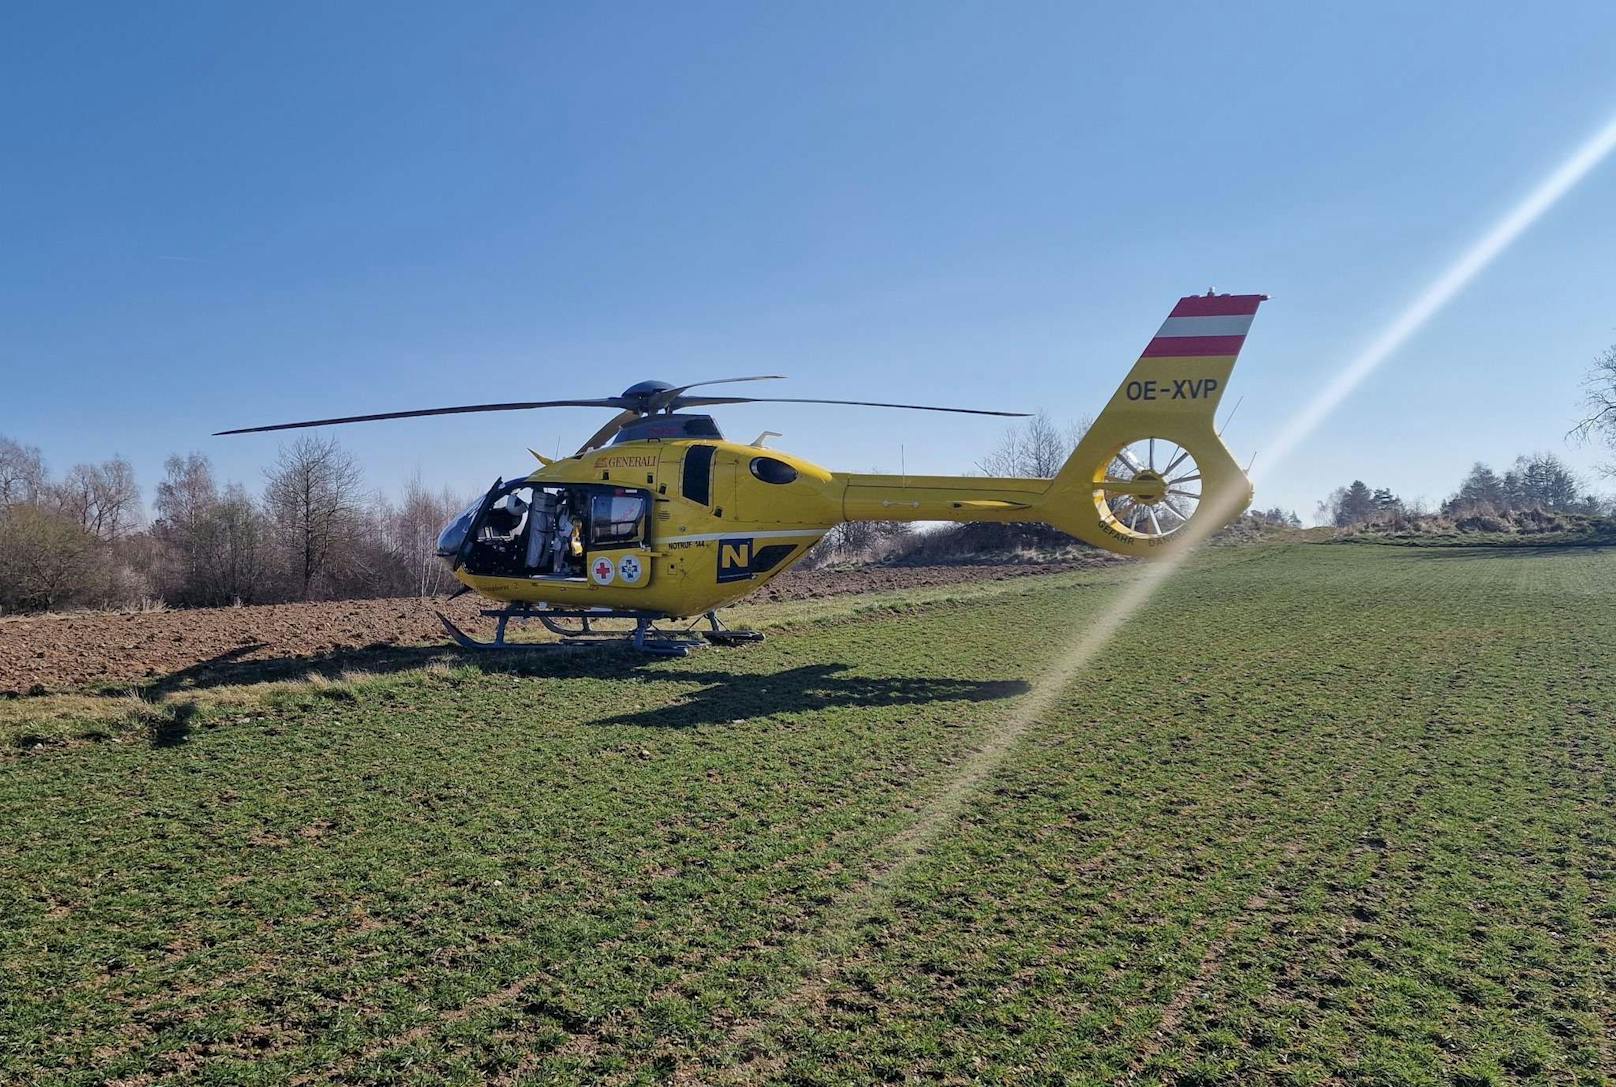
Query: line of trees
[1541,481]
[1275,515]
[314,532]
[1356,504]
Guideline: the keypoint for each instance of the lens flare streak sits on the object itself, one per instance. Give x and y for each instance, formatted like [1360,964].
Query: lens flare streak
[1459,275]
[835,937]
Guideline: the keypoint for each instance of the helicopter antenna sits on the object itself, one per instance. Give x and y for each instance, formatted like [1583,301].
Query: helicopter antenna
[1230,418]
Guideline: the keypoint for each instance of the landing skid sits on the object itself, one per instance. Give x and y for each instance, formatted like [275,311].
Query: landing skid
[646,637]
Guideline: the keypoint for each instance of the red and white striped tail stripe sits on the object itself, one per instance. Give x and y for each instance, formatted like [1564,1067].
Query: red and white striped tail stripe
[1205,325]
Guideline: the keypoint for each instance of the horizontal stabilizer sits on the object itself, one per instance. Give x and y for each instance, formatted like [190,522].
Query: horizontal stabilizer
[989,504]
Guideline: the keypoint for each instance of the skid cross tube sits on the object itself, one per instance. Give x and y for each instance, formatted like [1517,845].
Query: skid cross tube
[646,636]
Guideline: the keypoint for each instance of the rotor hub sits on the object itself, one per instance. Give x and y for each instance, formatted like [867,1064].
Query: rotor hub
[646,396]
[1152,488]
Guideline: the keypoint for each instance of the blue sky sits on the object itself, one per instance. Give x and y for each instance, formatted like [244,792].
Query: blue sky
[224,215]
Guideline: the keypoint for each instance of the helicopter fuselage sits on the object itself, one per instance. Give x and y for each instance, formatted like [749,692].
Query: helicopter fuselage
[673,520]
[670,520]
[682,527]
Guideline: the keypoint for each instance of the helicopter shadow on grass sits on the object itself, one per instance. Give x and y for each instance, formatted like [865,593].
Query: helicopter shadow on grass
[724,698]
[238,667]
[732,697]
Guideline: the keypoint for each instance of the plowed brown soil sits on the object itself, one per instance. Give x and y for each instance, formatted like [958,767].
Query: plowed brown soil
[46,653]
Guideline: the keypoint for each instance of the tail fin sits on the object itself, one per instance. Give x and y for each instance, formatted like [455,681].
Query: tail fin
[1152,473]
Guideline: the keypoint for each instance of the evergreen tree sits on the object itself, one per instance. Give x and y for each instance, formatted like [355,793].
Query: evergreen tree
[1481,490]
[1357,505]
[1541,481]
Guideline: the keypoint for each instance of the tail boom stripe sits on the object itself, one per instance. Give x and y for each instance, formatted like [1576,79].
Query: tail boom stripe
[1199,360]
[1218,305]
[1237,325]
[1193,347]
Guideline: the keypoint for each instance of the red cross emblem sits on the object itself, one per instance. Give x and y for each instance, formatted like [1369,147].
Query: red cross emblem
[603,569]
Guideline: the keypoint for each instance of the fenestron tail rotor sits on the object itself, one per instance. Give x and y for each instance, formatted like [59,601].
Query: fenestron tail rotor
[635,402]
[1151,488]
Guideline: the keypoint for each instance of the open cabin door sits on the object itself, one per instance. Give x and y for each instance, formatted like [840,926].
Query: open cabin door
[594,533]
[520,529]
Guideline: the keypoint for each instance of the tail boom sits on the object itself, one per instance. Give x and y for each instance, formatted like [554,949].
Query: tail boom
[1105,496]
[1112,492]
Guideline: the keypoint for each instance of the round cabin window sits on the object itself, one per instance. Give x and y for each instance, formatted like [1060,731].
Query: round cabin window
[770,470]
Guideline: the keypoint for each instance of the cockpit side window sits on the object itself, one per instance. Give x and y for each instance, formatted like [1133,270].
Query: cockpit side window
[697,484]
[770,470]
[616,519]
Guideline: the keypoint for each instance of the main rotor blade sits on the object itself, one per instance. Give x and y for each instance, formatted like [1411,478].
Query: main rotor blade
[729,381]
[608,402]
[703,401]
[669,396]
[609,431]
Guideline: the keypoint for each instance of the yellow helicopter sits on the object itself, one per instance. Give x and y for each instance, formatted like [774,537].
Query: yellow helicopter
[658,518]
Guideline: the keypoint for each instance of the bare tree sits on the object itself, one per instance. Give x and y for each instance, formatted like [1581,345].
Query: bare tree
[410,533]
[187,492]
[237,546]
[60,543]
[861,541]
[1033,448]
[103,499]
[185,502]
[215,542]
[313,499]
[22,473]
[1600,402]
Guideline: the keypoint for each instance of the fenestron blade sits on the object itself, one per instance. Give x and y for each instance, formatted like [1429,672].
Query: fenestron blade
[608,402]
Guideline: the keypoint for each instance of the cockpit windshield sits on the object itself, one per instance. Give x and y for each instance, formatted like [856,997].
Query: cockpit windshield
[453,536]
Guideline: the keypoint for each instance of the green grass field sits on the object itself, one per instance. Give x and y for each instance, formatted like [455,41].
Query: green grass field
[1321,814]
